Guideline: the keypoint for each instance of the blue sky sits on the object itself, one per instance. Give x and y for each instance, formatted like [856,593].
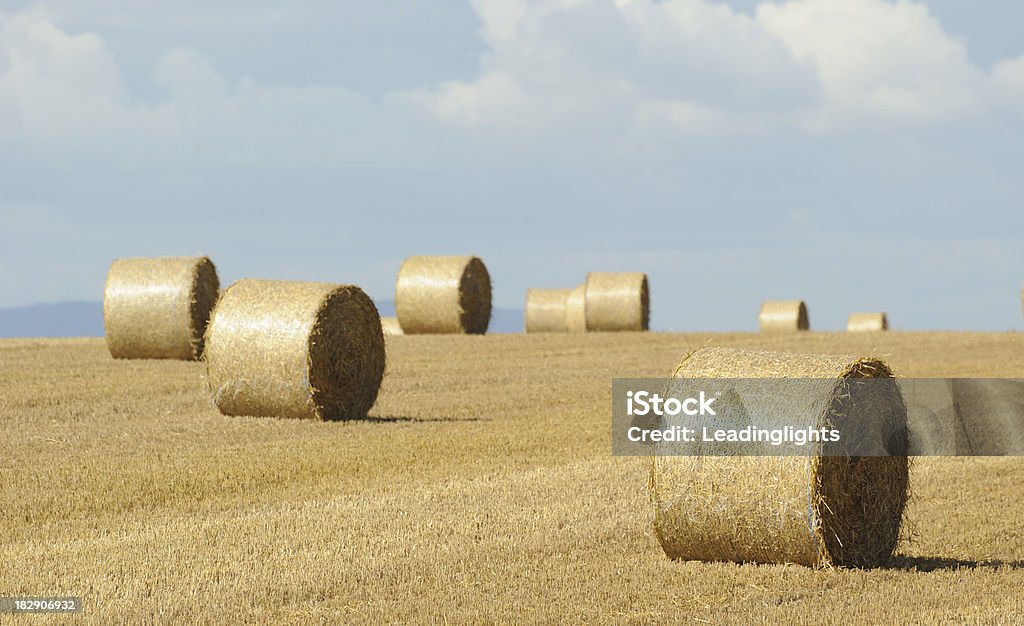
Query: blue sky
[859,154]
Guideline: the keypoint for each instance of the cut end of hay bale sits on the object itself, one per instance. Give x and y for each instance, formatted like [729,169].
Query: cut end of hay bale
[617,301]
[390,326]
[867,322]
[158,308]
[545,310]
[812,510]
[295,349]
[783,316]
[443,294]
[576,310]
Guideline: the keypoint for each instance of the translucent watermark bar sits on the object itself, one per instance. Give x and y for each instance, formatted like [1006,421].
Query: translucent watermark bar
[826,417]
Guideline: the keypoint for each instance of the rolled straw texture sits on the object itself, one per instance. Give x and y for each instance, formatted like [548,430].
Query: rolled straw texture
[443,294]
[295,349]
[867,322]
[158,308]
[617,301]
[390,326]
[783,316]
[545,310]
[576,310]
[812,510]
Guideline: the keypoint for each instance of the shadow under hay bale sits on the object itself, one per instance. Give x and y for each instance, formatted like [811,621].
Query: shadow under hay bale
[576,310]
[295,349]
[158,308]
[617,301]
[810,509]
[545,310]
[443,294]
[390,326]
[867,322]
[783,316]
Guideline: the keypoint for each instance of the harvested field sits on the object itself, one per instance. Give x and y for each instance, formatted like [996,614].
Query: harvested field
[481,489]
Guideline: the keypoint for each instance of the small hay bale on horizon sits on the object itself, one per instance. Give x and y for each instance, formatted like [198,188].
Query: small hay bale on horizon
[812,509]
[617,301]
[158,307]
[867,322]
[443,294]
[289,349]
[390,326]
[545,310]
[783,316]
[576,310]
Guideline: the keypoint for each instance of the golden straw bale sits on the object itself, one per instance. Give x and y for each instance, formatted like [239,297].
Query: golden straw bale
[576,310]
[390,326]
[783,315]
[545,310]
[867,322]
[617,301]
[295,349]
[158,308]
[811,509]
[443,294]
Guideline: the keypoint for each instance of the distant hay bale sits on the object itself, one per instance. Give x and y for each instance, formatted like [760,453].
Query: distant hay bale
[295,349]
[158,308]
[576,310]
[867,322]
[443,294]
[813,510]
[390,326]
[617,301]
[783,315]
[546,310]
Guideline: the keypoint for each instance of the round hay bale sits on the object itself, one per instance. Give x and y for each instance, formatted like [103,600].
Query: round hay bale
[867,322]
[158,308]
[390,326]
[546,310]
[617,301]
[783,316]
[576,310]
[295,349]
[443,294]
[814,509]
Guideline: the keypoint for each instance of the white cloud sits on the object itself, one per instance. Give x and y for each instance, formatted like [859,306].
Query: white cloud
[879,59]
[565,76]
[610,66]
[186,75]
[701,67]
[63,95]
[579,73]
[1008,84]
[53,84]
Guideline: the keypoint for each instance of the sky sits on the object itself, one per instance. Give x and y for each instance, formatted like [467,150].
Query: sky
[858,154]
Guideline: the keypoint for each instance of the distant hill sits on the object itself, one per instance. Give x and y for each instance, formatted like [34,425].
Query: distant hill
[63,319]
[85,319]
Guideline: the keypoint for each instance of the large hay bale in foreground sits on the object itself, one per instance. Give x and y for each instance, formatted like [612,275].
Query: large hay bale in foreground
[783,316]
[807,509]
[545,310]
[295,349]
[443,294]
[390,326]
[158,308]
[576,310]
[867,322]
[617,301]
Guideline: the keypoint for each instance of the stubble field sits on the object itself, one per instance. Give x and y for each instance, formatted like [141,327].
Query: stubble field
[481,489]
